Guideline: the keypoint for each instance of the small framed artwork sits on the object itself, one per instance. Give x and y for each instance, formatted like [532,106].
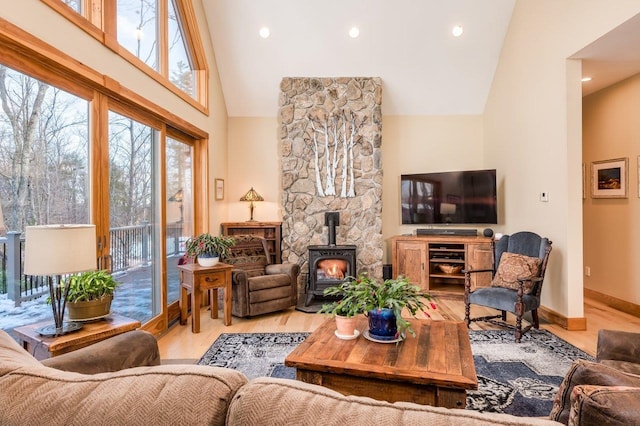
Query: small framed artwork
[609,178]
[219,189]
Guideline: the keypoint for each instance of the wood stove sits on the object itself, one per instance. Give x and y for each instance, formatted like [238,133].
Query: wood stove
[329,265]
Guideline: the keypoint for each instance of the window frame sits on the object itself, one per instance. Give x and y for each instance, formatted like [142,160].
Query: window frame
[100,22]
[27,54]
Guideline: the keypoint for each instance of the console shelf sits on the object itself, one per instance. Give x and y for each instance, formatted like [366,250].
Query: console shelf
[423,259]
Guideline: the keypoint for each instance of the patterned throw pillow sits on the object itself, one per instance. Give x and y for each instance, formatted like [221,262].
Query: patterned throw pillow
[513,267]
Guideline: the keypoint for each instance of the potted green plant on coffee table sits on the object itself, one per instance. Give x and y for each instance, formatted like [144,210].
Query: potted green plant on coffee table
[207,248]
[90,295]
[349,304]
[382,302]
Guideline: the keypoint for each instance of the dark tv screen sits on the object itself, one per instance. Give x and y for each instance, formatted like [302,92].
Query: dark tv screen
[464,197]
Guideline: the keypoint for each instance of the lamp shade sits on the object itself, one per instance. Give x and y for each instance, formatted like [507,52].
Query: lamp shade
[447,208]
[59,249]
[252,195]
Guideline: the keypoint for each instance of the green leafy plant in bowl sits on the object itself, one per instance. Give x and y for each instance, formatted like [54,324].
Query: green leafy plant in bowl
[90,294]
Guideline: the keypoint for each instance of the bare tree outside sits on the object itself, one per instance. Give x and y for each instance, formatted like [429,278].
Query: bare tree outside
[43,153]
[137,29]
[130,171]
[181,71]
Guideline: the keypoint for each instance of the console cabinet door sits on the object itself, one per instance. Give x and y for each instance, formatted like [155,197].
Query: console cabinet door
[411,261]
[479,256]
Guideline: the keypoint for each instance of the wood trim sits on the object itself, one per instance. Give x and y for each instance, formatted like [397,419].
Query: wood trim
[85,23]
[135,61]
[570,324]
[201,188]
[99,180]
[163,37]
[613,302]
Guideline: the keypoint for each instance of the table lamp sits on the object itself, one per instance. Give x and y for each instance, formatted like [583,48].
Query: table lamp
[56,250]
[251,196]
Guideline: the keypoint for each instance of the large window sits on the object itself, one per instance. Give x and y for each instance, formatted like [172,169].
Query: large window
[161,34]
[44,151]
[75,149]
[181,69]
[179,223]
[133,215]
[137,29]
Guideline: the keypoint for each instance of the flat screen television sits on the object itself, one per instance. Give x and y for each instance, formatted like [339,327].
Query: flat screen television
[464,197]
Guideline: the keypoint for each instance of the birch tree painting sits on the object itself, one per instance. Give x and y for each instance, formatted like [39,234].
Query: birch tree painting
[337,138]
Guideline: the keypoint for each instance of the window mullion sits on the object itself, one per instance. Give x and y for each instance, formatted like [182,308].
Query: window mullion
[163,37]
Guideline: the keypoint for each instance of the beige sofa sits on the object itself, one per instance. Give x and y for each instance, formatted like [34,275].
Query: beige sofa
[32,393]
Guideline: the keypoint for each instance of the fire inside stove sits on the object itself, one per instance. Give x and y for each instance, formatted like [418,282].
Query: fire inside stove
[331,269]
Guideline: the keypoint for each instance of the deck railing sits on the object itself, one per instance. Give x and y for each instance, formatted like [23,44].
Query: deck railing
[130,248]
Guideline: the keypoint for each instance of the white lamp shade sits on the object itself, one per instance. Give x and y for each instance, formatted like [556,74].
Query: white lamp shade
[59,249]
[447,208]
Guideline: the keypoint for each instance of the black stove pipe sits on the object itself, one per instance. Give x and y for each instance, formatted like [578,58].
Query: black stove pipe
[332,219]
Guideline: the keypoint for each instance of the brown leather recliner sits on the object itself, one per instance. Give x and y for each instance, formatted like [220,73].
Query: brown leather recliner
[259,287]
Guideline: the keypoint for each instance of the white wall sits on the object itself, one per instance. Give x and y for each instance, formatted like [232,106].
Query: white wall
[611,245]
[532,129]
[420,144]
[254,162]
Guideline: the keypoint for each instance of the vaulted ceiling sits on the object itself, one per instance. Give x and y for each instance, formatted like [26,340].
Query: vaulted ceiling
[425,70]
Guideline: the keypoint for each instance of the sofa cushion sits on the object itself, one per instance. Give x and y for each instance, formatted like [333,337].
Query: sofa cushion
[587,373]
[604,405]
[33,394]
[12,356]
[514,267]
[161,395]
[134,348]
[269,401]
[626,366]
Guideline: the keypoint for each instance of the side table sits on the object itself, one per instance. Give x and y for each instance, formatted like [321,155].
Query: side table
[92,332]
[196,278]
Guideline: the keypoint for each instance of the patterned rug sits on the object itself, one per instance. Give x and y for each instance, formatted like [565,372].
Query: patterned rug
[519,379]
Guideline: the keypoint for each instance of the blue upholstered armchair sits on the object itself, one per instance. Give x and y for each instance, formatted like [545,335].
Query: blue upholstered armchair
[519,265]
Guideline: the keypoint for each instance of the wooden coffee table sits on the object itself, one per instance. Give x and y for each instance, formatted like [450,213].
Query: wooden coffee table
[92,332]
[434,368]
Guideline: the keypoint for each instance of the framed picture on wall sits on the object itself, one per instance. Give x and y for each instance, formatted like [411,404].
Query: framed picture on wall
[609,178]
[219,189]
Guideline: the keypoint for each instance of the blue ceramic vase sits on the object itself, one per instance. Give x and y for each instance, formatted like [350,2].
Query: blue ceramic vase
[382,324]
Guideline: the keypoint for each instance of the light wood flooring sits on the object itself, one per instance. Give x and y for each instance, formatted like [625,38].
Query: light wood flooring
[180,343]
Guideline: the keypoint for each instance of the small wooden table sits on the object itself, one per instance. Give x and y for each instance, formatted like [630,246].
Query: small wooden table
[196,278]
[434,368]
[92,332]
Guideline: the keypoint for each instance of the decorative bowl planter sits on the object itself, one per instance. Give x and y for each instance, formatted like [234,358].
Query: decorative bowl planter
[207,261]
[382,324]
[450,269]
[89,310]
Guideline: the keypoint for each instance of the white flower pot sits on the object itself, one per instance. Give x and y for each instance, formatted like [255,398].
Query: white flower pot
[208,261]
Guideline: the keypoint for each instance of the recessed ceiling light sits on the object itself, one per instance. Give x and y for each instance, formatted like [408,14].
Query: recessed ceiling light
[354,32]
[585,79]
[457,31]
[264,32]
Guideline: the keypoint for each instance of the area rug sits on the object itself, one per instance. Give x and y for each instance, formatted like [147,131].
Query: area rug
[519,379]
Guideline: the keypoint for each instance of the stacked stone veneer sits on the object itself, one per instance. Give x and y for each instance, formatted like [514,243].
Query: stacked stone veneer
[302,99]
